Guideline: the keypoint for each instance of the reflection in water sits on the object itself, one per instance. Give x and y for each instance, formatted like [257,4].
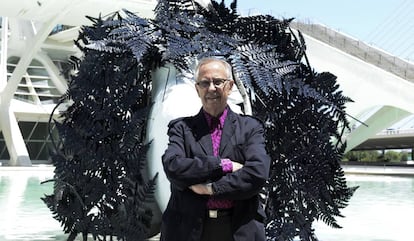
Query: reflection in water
[381,209]
[24,215]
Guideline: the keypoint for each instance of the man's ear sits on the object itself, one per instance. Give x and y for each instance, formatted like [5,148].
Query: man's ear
[198,93]
[231,85]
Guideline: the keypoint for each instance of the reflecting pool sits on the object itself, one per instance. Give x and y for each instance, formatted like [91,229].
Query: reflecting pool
[24,216]
[382,209]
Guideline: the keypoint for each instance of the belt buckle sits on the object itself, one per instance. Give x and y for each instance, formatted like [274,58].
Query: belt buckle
[212,213]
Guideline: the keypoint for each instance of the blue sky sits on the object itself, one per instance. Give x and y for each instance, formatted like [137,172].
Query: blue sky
[386,24]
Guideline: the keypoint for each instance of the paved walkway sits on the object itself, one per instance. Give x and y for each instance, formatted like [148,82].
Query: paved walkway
[351,169]
[348,169]
[379,170]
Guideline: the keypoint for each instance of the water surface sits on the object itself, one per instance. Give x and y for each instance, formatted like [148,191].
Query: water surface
[382,209]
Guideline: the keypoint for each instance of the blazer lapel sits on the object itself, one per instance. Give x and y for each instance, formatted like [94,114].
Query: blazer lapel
[202,133]
[228,131]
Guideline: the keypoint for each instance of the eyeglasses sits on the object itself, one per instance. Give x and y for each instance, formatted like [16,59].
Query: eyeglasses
[218,83]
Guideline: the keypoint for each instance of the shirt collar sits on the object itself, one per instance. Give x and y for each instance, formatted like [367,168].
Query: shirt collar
[221,117]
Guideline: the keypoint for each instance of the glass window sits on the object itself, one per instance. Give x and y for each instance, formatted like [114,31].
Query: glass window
[36,137]
[4,153]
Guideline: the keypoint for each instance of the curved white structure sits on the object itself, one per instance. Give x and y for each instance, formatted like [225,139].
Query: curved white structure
[27,36]
[173,97]
[30,57]
[380,97]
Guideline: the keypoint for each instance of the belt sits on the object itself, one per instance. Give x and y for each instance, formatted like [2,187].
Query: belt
[216,213]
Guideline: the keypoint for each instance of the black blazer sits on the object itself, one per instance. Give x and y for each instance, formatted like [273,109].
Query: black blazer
[189,160]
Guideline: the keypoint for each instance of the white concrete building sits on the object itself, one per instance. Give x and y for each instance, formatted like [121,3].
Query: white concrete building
[37,40]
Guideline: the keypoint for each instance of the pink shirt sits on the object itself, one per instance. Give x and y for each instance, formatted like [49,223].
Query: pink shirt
[216,130]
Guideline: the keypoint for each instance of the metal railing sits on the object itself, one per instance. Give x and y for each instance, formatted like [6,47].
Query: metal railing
[389,132]
[359,49]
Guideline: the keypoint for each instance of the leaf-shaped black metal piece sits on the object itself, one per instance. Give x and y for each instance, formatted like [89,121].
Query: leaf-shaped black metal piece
[101,154]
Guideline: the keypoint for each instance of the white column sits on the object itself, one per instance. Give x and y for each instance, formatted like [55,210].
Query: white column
[32,47]
[8,122]
[3,52]
[19,155]
[55,76]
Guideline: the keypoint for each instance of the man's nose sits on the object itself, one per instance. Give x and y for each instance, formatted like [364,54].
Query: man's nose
[212,86]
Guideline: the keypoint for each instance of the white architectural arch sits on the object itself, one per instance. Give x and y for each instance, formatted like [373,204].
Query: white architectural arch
[381,96]
[30,78]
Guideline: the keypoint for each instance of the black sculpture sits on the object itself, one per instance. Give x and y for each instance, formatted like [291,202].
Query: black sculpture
[100,188]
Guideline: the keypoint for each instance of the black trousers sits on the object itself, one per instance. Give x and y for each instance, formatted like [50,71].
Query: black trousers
[217,229]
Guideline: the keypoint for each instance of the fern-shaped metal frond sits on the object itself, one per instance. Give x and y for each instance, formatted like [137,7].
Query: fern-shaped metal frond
[101,137]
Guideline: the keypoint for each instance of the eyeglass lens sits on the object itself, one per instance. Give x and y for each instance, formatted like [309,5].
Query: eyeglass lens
[216,82]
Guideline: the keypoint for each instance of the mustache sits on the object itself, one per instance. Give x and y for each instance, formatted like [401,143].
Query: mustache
[212,96]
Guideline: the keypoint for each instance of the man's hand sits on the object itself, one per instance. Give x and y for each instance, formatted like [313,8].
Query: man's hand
[206,188]
[202,189]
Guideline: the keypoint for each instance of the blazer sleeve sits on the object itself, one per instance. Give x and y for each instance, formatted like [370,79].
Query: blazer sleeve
[249,180]
[181,166]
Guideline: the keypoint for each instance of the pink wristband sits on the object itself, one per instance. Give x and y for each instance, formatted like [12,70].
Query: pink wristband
[226,165]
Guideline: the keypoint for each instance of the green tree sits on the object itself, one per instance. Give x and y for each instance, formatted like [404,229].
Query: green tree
[391,156]
[403,156]
[369,156]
